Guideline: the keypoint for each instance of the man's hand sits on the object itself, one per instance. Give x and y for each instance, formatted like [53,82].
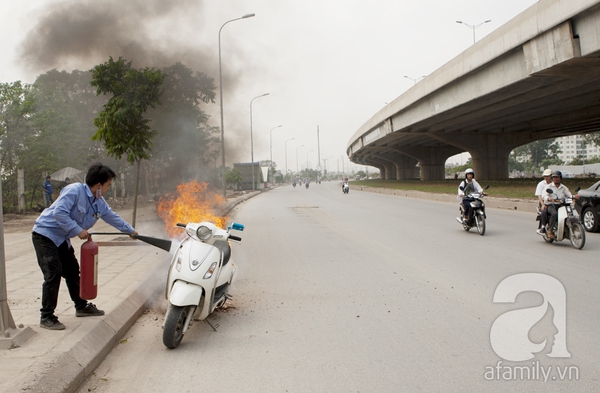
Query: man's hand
[83,234]
[133,234]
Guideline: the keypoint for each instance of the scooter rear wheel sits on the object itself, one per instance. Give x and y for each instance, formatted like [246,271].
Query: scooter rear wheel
[577,236]
[173,332]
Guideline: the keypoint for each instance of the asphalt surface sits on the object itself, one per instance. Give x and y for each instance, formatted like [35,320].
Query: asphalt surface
[130,274]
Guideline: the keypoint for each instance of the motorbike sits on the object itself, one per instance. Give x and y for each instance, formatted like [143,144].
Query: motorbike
[477,216]
[199,278]
[568,225]
[306,184]
[345,188]
[294,184]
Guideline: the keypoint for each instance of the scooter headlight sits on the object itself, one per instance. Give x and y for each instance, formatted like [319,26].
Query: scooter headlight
[210,270]
[204,233]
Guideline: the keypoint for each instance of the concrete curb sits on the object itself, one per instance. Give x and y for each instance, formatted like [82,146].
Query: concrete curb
[93,344]
[490,202]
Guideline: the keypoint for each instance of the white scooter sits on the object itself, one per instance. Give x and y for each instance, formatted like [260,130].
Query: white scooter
[568,225]
[199,277]
[345,188]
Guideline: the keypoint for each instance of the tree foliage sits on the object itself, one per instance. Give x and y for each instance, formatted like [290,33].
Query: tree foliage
[539,153]
[121,124]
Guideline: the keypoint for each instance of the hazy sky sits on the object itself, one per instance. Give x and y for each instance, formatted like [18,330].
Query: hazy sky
[330,64]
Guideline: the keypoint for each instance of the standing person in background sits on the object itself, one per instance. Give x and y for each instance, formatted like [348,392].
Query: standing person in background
[47,186]
[77,209]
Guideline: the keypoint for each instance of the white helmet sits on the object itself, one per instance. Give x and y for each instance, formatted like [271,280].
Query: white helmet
[469,170]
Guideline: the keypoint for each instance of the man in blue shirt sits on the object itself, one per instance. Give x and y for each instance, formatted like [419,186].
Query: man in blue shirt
[76,210]
[47,186]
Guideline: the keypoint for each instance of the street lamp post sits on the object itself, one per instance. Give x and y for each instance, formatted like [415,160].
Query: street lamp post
[286,168]
[415,80]
[473,26]
[221,103]
[252,142]
[297,171]
[271,148]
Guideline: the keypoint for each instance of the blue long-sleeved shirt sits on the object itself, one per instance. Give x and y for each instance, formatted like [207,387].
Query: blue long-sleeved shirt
[74,210]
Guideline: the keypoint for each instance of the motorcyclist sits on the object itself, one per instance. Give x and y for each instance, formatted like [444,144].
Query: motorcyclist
[540,190]
[552,202]
[469,186]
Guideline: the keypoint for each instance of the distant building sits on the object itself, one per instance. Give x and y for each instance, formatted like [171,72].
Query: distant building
[572,146]
[245,169]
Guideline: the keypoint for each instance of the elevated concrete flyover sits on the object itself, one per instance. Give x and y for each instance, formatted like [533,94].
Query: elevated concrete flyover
[536,77]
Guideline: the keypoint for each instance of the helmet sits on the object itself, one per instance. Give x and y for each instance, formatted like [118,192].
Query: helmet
[547,172]
[469,170]
[557,174]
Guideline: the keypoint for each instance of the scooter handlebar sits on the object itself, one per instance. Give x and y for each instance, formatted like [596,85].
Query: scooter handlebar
[236,238]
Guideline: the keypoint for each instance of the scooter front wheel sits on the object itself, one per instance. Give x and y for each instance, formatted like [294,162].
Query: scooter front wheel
[174,325]
[577,236]
[480,222]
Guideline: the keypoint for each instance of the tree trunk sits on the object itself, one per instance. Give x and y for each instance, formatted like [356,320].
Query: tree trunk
[137,186]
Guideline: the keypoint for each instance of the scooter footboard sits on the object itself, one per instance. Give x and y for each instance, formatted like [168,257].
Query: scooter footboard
[185,294]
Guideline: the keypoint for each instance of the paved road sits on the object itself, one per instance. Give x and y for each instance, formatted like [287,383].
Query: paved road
[371,293]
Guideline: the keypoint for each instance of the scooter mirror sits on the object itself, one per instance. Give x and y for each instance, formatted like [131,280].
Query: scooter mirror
[237,227]
[486,187]
[461,188]
[577,189]
[549,191]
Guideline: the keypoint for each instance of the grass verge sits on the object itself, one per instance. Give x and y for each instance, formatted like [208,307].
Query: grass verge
[506,188]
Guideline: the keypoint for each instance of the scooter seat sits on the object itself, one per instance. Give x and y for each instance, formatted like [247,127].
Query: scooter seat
[225,248]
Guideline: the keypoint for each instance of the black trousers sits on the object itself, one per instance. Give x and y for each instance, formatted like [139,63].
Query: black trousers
[549,215]
[56,262]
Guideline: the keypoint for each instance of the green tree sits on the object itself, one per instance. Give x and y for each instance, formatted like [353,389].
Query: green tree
[121,124]
[233,177]
[16,106]
[539,153]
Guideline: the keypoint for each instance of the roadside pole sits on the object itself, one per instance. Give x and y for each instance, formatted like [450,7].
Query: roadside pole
[10,335]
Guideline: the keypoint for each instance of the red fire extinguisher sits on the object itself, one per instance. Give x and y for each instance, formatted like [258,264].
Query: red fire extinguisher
[88,281]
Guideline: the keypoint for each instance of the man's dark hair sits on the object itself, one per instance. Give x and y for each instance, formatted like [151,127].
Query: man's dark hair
[48,177]
[99,173]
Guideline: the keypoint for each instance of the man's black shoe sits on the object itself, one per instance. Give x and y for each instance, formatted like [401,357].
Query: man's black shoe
[89,310]
[51,323]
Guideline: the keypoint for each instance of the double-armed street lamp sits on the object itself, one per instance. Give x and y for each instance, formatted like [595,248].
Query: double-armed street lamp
[221,103]
[286,167]
[252,142]
[473,26]
[271,147]
[415,80]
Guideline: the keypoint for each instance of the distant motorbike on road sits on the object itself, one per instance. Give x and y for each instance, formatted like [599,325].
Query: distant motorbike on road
[306,184]
[568,225]
[477,216]
[199,278]
[294,184]
[345,188]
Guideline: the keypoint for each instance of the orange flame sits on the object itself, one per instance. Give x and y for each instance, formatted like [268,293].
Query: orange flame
[193,202]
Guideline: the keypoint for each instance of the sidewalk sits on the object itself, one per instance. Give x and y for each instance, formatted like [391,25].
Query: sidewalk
[129,277]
